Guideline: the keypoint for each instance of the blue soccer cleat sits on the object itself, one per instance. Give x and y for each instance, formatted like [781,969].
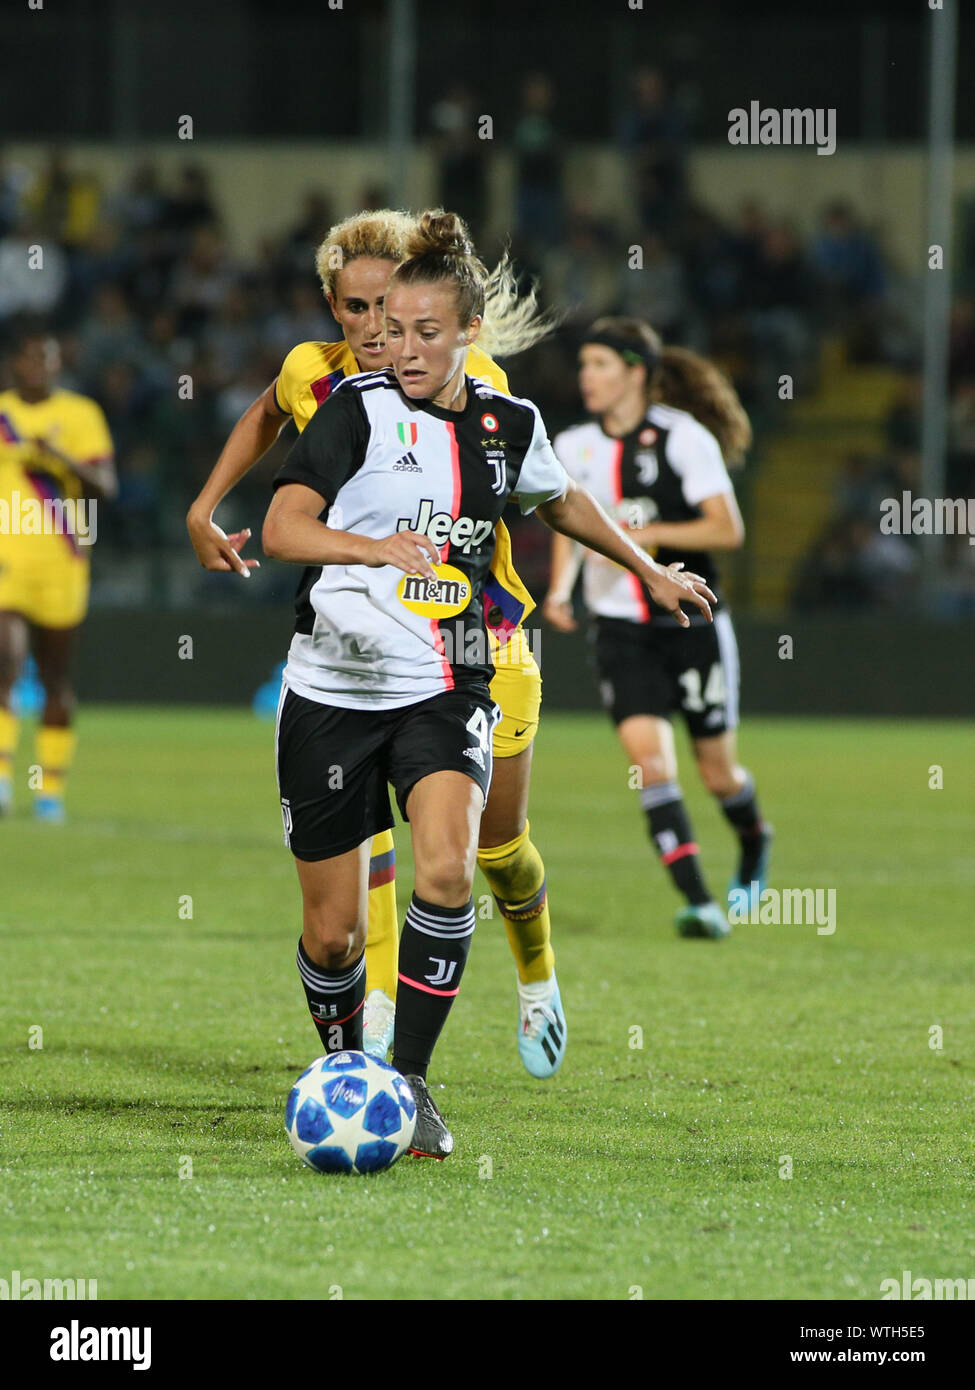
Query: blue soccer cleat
[706,920]
[378,1020]
[542,1034]
[49,809]
[6,796]
[752,874]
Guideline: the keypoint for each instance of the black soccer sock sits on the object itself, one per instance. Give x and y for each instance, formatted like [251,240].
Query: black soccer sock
[670,830]
[742,813]
[335,998]
[433,950]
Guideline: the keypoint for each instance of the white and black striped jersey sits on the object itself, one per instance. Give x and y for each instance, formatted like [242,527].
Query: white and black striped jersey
[661,471]
[377,638]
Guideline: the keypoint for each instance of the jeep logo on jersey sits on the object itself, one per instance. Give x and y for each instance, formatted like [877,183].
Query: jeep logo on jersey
[447,595]
[462,532]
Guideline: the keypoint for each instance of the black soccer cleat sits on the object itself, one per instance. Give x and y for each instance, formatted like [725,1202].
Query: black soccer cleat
[752,874]
[431,1138]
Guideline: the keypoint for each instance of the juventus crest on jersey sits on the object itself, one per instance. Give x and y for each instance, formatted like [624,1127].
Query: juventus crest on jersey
[378,638]
[661,471]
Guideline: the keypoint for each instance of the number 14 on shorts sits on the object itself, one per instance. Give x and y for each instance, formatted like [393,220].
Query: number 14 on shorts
[715,689]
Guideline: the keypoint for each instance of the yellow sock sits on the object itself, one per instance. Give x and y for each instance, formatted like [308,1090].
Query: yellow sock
[55,751]
[382,934]
[9,727]
[516,876]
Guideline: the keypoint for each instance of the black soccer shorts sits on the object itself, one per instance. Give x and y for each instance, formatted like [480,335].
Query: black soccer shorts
[334,764]
[656,669]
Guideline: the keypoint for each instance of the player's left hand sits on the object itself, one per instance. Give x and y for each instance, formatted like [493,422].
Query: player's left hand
[673,586]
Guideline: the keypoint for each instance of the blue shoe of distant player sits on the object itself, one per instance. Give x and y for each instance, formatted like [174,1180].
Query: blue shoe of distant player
[49,809]
[6,796]
[378,1020]
[752,875]
[542,1032]
[707,920]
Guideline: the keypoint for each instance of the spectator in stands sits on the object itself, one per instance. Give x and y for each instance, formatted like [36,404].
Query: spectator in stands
[233,335]
[140,204]
[778,294]
[300,242]
[962,340]
[110,333]
[852,281]
[461,156]
[861,486]
[64,204]
[538,168]
[652,134]
[582,276]
[846,258]
[189,207]
[14,179]
[903,424]
[655,292]
[22,289]
[853,566]
[304,318]
[201,280]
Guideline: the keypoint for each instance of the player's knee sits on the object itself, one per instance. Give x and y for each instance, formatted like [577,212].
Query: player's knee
[718,777]
[446,875]
[656,767]
[333,940]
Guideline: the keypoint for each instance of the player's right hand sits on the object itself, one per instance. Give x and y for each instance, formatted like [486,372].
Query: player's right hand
[671,586]
[215,550]
[558,612]
[407,551]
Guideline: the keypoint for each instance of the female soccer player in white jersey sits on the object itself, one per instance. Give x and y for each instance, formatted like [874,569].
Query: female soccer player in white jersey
[653,457]
[388,671]
[354,263]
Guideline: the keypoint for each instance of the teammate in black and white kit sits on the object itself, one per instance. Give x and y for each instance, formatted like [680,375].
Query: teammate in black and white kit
[661,473]
[390,498]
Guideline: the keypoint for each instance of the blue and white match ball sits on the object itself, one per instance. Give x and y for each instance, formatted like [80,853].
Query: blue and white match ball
[349,1113]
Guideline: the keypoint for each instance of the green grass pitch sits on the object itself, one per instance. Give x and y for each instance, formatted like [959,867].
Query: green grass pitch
[655,1168]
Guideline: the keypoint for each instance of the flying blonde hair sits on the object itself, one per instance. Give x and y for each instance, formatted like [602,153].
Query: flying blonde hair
[436,246]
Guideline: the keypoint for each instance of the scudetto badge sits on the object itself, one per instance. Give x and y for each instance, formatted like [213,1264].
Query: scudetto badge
[447,595]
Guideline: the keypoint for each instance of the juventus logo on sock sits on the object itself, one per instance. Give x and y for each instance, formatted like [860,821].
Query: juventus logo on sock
[335,1000]
[432,953]
[445,971]
[434,944]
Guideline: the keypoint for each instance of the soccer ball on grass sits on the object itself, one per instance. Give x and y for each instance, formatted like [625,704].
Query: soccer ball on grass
[349,1113]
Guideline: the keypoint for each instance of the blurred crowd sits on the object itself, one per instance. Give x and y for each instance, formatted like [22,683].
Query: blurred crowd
[143,290]
[857,562]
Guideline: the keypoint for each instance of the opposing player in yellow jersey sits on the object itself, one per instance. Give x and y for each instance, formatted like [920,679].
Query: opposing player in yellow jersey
[354,264]
[55,459]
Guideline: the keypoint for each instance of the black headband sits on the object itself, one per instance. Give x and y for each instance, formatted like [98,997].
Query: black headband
[632,354]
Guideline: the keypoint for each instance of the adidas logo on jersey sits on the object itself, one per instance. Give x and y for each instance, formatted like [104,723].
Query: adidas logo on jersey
[463,532]
[407,464]
[476,756]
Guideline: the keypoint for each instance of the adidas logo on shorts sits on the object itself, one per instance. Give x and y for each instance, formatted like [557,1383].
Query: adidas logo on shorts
[477,756]
[407,464]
